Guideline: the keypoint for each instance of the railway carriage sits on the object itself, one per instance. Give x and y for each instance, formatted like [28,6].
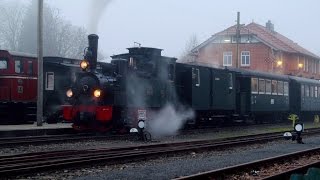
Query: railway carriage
[209,91]
[305,95]
[262,96]
[18,87]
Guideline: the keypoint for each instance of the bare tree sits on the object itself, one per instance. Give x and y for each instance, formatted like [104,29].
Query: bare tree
[61,38]
[11,24]
[190,45]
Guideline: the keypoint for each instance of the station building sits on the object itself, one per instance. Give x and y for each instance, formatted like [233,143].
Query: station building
[258,48]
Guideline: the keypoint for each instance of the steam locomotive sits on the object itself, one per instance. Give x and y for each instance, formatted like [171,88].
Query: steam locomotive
[136,85]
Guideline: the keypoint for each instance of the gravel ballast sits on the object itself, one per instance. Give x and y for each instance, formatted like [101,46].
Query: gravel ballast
[182,165]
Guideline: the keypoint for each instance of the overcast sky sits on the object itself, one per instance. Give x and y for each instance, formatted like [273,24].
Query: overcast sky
[168,24]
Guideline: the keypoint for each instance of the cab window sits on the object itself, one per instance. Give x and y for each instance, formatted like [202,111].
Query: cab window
[18,66]
[196,76]
[262,86]
[171,72]
[3,63]
[254,85]
[302,91]
[274,87]
[280,87]
[30,67]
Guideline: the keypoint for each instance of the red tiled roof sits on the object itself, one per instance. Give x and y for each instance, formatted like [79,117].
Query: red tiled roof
[273,39]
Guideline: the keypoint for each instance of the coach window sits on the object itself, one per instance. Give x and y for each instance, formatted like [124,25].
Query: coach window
[274,87]
[302,90]
[262,86]
[3,63]
[307,90]
[268,86]
[280,88]
[286,88]
[18,66]
[316,91]
[254,85]
[311,91]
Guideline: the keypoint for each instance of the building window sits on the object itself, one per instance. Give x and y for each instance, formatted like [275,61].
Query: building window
[227,58]
[3,64]
[254,85]
[245,58]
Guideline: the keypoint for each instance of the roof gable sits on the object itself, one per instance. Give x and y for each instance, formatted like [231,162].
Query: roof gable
[272,39]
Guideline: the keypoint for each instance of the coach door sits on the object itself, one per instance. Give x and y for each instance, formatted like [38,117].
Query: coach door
[243,94]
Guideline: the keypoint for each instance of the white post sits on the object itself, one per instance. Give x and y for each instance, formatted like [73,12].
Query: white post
[40,65]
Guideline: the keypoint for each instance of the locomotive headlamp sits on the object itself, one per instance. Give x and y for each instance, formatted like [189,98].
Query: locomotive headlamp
[298,127]
[141,124]
[97,93]
[84,64]
[69,93]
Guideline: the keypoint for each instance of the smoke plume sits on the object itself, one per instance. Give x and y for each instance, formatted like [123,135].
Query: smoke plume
[169,120]
[96,10]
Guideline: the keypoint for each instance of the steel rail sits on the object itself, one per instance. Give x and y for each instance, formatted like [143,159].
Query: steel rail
[236,169]
[35,162]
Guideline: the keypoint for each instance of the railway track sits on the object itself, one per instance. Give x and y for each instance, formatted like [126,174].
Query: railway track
[47,139]
[279,167]
[36,162]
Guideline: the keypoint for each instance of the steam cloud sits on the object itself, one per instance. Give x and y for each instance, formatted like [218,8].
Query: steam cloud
[169,120]
[96,10]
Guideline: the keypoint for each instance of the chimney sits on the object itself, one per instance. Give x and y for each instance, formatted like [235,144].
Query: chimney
[93,48]
[270,26]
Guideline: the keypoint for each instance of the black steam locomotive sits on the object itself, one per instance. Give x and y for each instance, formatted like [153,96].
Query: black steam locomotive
[137,84]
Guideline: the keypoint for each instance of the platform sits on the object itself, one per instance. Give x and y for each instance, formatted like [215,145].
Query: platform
[34,130]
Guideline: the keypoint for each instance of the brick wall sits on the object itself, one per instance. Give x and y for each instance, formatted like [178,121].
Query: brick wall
[261,59]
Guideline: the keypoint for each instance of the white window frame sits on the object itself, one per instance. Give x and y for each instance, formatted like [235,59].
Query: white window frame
[227,56]
[245,54]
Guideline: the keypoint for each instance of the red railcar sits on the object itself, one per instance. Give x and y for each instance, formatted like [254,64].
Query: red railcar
[18,87]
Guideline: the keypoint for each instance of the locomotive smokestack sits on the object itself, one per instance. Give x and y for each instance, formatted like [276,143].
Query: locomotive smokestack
[93,48]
